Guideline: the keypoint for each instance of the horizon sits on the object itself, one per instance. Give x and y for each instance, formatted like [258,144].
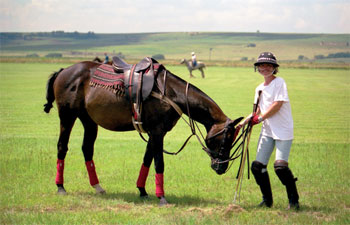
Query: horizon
[160,32]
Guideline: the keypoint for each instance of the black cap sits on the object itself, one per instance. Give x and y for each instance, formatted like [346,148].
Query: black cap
[266,57]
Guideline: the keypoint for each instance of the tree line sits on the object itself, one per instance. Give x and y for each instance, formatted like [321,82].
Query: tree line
[4,36]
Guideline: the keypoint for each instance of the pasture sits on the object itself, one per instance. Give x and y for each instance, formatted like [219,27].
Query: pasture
[320,100]
[211,47]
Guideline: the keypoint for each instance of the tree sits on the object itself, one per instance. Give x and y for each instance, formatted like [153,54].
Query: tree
[158,56]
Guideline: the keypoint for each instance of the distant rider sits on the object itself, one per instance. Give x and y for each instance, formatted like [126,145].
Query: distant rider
[106,59]
[194,60]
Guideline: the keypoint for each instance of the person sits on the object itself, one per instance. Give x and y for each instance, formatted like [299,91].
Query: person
[194,59]
[106,58]
[274,112]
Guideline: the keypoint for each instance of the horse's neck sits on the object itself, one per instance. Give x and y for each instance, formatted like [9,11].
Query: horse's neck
[189,66]
[201,107]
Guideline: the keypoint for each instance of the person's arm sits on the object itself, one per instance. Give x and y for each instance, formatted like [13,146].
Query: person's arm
[275,107]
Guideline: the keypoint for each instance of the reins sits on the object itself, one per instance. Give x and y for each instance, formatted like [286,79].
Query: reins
[245,150]
[191,123]
[194,126]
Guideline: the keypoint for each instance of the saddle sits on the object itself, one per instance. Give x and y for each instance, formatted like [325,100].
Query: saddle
[138,81]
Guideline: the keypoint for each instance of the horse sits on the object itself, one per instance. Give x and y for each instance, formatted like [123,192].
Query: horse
[200,66]
[94,106]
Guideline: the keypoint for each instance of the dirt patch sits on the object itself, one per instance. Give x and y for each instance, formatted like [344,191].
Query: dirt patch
[225,211]
[233,209]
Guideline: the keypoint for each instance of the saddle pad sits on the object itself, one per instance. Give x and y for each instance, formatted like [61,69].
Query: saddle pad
[105,77]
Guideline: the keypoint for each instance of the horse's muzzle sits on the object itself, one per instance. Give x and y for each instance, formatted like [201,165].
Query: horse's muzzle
[220,168]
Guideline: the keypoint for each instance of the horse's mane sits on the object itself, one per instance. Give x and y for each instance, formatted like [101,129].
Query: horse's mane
[196,89]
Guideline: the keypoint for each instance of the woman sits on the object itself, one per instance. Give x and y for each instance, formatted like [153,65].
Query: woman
[274,112]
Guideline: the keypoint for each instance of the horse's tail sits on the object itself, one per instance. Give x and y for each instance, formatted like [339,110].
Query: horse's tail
[50,96]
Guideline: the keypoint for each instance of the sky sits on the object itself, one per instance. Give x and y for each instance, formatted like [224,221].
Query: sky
[139,16]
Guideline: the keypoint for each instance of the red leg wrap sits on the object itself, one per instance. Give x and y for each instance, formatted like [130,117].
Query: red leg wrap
[159,185]
[60,169]
[90,166]
[141,181]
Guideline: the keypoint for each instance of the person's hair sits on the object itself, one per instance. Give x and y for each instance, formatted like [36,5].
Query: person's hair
[276,70]
[274,66]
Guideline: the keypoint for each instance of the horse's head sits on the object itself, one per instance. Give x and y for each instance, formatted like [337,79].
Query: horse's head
[219,142]
[182,61]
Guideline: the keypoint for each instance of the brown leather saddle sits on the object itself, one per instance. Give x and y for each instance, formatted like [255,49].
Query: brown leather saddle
[138,81]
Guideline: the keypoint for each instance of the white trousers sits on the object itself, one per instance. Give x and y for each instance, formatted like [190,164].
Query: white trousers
[267,144]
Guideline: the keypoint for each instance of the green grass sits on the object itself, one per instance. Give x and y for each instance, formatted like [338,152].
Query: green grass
[177,45]
[28,138]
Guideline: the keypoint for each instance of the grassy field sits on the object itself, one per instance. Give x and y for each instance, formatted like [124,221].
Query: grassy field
[209,46]
[28,138]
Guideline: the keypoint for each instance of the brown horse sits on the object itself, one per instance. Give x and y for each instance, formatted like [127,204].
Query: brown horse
[96,106]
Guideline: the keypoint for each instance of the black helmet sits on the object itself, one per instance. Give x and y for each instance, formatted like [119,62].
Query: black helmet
[266,57]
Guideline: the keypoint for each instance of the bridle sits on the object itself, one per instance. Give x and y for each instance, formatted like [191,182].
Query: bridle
[215,156]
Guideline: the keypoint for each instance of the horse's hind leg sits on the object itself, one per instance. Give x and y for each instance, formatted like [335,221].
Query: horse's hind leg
[90,134]
[66,123]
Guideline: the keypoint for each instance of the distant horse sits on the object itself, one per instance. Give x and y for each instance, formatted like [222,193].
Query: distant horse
[200,66]
[95,106]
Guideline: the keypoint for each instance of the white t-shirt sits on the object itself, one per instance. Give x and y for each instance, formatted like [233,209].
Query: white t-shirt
[280,125]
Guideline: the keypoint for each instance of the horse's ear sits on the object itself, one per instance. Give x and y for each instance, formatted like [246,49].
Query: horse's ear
[233,123]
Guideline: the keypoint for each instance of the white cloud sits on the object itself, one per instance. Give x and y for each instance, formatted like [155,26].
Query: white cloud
[181,15]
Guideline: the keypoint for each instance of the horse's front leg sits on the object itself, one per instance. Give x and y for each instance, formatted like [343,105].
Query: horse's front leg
[154,150]
[141,181]
[191,75]
[159,167]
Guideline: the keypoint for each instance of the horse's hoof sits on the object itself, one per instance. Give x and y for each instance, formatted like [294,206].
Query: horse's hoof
[144,197]
[102,192]
[162,202]
[61,191]
[143,192]
[99,189]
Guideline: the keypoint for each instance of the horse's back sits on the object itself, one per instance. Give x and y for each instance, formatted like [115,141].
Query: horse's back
[75,95]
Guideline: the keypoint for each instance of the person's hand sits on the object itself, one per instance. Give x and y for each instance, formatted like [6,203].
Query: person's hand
[245,121]
[255,119]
